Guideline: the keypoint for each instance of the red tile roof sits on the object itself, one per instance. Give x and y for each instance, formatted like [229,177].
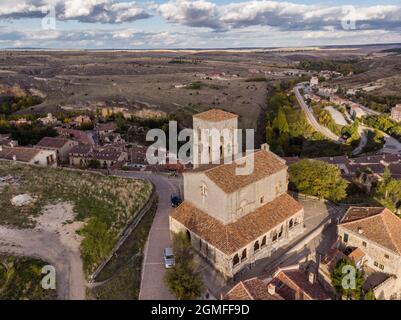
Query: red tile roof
[232,237]
[51,142]
[379,225]
[215,115]
[21,153]
[265,163]
[251,289]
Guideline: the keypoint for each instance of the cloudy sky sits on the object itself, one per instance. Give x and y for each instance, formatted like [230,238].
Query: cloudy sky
[143,24]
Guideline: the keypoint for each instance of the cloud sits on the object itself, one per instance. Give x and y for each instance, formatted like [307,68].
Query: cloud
[281,15]
[90,11]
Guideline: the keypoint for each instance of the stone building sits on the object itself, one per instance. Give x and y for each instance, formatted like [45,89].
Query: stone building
[396,113]
[46,158]
[61,146]
[214,124]
[234,220]
[371,238]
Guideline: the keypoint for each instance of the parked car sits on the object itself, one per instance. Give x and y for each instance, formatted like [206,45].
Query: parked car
[169,260]
[175,200]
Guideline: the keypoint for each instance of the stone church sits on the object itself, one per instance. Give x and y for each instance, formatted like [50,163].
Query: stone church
[234,220]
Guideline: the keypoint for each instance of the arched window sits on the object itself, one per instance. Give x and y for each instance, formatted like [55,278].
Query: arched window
[274,236]
[256,246]
[235,260]
[280,234]
[291,223]
[263,242]
[243,255]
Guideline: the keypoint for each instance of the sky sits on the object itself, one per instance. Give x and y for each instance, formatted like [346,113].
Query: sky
[172,24]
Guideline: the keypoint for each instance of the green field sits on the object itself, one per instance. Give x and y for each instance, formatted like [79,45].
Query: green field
[105,204]
[20,279]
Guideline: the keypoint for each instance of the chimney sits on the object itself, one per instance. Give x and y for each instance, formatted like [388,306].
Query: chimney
[14,157]
[311,277]
[360,230]
[271,288]
[265,147]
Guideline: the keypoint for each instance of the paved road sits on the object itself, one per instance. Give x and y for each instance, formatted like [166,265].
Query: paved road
[70,278]
[311,118]
[152,286]
[363,141]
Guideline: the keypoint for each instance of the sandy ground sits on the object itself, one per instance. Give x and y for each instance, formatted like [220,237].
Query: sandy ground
[54,240]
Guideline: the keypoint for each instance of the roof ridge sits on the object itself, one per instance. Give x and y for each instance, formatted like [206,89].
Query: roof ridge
[386,211]
[364,218]
[246,289]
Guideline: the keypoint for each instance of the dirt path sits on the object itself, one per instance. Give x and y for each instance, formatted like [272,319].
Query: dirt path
[55,242]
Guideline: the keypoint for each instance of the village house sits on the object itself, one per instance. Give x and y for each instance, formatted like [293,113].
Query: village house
[5,140]
[48,120]
[80,120]
[61,146]
[80,136]
[370,237]
[20,121]
[288,283]
[235,220]
[396,113]
[314,81]
[34,156]
[105,129]
[356,111]
[81,155]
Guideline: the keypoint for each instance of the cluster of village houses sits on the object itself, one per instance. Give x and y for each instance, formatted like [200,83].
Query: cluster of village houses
[72,147]
[356,110]
[236,221]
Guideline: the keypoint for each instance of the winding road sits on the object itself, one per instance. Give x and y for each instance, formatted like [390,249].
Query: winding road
[311,118]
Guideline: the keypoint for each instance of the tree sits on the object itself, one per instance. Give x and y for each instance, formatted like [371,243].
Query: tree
[318,178]
[347,280]
[183,280]
[388,191]
[282,122]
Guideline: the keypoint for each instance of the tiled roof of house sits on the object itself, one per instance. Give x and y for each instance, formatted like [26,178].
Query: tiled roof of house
[356,255]
[52,142]
[379,225]
[251,289]
[107,154]
[22,154]
[265,163]
[232,237]
[293,284]
[215,115]
[81,149]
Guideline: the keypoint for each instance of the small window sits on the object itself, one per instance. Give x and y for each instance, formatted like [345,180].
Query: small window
[345,237]
[381,267]
[291,223]
[387,256]
[376,264]
[364,244]
[280,234]
[203,190]
[262,199]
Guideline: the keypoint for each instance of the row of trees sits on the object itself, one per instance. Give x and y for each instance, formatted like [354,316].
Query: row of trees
[14,104]
[384,123]
[344,67]
[27,134]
